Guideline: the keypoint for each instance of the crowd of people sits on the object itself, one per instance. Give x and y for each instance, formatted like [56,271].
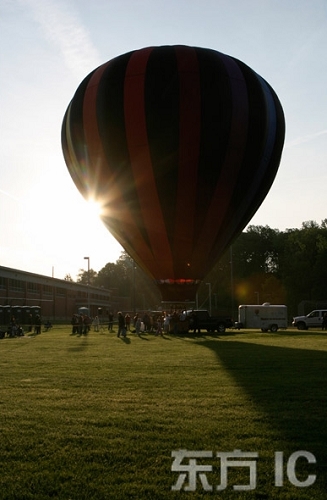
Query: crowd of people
[156,322]
[81,324]
[15,329]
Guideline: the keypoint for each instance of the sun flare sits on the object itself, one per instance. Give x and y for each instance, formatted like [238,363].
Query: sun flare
[74,228]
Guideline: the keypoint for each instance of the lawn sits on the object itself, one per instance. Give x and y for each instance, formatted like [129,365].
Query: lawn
[98,417]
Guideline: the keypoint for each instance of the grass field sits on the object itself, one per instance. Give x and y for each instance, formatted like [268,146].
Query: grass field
[97,417]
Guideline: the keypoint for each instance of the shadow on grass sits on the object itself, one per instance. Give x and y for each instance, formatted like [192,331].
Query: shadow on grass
[142,337]
[206,335]
[81,346]
[126,340]
[287,385]
[301,333]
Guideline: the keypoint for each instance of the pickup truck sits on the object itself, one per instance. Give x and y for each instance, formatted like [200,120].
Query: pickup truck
[200,319]
[311,320]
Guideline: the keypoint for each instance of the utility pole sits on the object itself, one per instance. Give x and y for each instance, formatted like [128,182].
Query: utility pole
[88,284]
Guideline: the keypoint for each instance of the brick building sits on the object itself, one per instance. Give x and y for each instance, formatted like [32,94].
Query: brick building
[56,299]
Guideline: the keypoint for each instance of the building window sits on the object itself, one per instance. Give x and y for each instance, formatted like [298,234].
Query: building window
[32,287]
[16,285]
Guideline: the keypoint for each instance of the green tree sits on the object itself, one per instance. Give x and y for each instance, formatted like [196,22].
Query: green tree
[256,251]
[303,264]
[130,281]
[108,276]
[87,277]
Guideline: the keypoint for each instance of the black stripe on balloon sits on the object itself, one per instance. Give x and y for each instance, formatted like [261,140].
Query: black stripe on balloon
[161,103]
[215,128]
[111,122]
[279,140]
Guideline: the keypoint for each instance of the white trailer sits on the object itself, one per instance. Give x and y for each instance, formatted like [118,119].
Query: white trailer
[267,317]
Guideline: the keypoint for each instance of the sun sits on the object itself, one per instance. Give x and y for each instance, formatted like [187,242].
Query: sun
[93,207]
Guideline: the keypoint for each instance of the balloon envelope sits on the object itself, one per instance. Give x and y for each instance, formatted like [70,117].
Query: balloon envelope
[180,145]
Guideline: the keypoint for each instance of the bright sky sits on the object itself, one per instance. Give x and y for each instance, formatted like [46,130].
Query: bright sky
[49,46]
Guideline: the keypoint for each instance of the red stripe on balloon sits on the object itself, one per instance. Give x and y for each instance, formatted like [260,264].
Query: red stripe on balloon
[140,158]
[114,208]
[189,150]
[220,203]
[69,151]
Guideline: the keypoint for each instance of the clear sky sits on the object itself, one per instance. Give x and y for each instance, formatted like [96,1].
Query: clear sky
[48,46]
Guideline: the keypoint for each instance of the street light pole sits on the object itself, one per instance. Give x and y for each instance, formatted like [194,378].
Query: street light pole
[88,284]
[134,287]
[232,280]
[209,285]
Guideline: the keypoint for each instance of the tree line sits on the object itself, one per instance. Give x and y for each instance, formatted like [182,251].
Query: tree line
[263,265]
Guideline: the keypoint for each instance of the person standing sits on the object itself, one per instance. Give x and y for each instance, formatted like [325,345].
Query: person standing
[138,326]
[128,321]
[80,324]
[159,326]
[111,322]
[30,322]
[121,325]
[74,323]
[96,323]
[166,323]
[37,324]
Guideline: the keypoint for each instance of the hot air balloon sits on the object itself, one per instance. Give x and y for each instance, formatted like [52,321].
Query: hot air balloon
[180,145]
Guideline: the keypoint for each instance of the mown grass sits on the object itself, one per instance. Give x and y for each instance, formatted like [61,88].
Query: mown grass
[97,417]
